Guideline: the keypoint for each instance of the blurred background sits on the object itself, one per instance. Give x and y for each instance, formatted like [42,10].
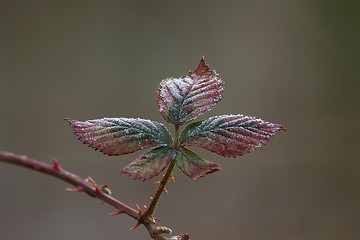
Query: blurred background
[295,63]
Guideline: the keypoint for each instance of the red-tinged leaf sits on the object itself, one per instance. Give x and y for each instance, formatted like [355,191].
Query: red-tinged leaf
[229,135]
[117,136]
[193,165]
[183,99]
[150,164]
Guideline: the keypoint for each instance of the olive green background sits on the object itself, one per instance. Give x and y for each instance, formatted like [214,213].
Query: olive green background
[295,63]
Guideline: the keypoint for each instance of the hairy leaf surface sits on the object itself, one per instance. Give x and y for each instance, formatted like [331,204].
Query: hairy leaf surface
[193,165]
[117,136]
[183,99]
[150,164]
[229,135]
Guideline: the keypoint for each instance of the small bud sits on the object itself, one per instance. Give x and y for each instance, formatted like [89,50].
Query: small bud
[160,230]
[56,165]
[106,189]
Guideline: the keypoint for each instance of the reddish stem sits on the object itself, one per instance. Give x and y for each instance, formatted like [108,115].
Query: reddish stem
[148,213]
[78,182]
[90,188]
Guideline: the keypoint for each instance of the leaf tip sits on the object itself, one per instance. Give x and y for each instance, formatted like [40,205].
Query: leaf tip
[210,169]
[69,120]
[281,128]
[202,67]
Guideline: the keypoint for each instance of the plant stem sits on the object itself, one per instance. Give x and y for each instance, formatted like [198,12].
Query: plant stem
[90,188]
[150,210]
[58,172]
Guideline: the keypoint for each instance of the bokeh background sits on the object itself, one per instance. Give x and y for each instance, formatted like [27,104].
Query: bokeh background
[290,62]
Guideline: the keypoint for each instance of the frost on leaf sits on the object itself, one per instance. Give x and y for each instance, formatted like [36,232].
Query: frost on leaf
[183,99]
[193,165]
[150,164]
[117,136]
[229,135]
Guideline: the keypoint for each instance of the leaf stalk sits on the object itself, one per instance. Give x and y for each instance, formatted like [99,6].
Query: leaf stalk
[150,210]
[177,135]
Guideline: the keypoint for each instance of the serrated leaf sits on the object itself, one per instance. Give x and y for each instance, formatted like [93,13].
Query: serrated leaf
[229,135]
[194,166]
[183,99]
[117,136]
[150,164]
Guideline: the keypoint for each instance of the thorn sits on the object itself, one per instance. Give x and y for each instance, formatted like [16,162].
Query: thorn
[97,189]
[151,198]
[56,165]
[139,209]
[172,177]
[159,182]
[135,226]
[165,190]
[77,189]
[117,213]
[145,206]
[152,220]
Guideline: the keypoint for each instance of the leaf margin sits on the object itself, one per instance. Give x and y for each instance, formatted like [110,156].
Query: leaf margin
[156,155]
[84,135]
[187,139]
[166,107]
[196,171]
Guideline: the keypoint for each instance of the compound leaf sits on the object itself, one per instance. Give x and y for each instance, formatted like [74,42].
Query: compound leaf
[150,164]
[229,135]
[117,136]
[183,99]
[194,166]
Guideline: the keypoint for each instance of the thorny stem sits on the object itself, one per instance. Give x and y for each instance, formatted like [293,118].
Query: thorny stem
[150,210]
[58,172]
[90,188]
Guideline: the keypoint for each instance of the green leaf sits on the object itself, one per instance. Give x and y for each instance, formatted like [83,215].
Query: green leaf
[150,164]
[183,99]
[193,165]
[229,135]
[117,136]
